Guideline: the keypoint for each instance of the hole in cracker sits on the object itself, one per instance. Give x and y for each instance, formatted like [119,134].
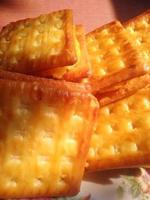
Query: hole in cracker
[146,103]
[125,107]
[91,153]
[115,126]
[11,183]
[130,126]
[43,159]
[109,129]
[37,182]
[61,183]
[105,111]
[66,164]
[19,135]
[129,147]
[47,137]
[70,147]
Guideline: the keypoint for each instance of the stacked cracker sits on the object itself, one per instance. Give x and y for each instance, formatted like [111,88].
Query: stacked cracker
[123,126]
[70,101]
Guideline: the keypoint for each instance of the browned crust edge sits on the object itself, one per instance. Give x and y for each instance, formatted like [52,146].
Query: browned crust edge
[139,160]
[57,84]
[110,25]
[122,90]
[67,57]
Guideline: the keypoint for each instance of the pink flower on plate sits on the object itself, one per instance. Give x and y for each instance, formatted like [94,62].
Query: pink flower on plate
[144,180]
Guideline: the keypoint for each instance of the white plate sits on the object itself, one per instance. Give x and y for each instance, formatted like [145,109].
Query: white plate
[126,184]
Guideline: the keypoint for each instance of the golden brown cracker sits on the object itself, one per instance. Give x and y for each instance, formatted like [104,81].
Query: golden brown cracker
[113,57]
[122,138]
[45,132]
[31,45]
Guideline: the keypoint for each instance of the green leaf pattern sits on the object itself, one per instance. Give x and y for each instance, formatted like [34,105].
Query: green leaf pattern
[137,187]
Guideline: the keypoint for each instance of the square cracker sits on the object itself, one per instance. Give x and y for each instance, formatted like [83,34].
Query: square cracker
[113,57]
[75,72]
[138,29]
[41,43]
[44,137]
[122,135]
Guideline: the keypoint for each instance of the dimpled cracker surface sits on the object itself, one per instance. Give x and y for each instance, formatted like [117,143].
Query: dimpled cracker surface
[122,136]
[76,71]
[139,32]
[113,58]
[35,44]
[44,138]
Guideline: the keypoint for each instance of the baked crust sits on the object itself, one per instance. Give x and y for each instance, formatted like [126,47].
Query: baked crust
[121,138]
[45,130]
[31,45]
[122,90]
[113,57]
[71,86]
